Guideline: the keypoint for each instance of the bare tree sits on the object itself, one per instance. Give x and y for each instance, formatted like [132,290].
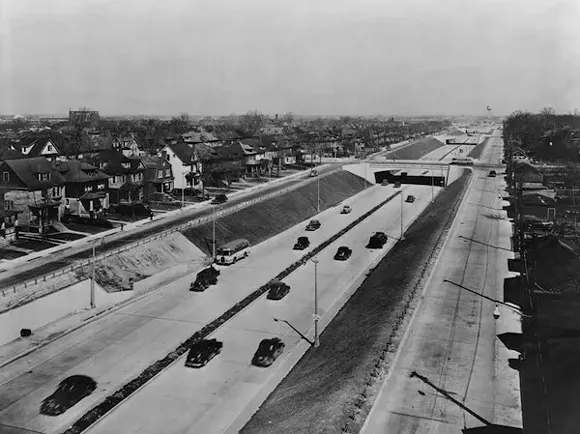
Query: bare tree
[252,122]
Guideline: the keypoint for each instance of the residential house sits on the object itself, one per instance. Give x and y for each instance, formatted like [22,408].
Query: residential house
[525,172]
[185,164]
[35,146]
[35,189]
[128,145]
[199,136]
[158,175]
[126,180]
[221,166]
[272,130]
[86,188]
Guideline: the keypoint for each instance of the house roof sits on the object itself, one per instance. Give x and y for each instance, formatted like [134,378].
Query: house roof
[198,137]
[27,170]
[207,153]
[550,194]
[79,171]
[154,162]
[37,143]
[185,152]
[114,162]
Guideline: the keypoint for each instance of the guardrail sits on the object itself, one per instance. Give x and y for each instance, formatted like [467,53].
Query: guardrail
[197,222]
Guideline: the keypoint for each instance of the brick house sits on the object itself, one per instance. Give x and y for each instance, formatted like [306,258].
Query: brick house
[34,189]
[86,188]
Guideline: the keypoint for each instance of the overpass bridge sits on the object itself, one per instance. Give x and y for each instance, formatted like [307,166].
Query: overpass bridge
[422,164]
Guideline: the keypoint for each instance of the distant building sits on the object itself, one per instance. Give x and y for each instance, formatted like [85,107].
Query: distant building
[89,118]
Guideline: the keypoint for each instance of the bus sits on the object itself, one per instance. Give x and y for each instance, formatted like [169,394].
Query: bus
[233,251]
[463,161]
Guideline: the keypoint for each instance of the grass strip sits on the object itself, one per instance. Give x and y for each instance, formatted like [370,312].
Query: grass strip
[112,401]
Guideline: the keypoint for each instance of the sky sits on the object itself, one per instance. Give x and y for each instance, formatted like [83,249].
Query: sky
[315,57]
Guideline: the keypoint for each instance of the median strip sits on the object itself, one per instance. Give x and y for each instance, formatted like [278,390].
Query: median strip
[157,367]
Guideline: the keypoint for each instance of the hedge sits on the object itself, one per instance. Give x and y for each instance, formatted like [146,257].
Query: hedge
[157,367]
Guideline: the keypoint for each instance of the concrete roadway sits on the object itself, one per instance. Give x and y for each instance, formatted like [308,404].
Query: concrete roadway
[119,346]
[209,400]
[463,375]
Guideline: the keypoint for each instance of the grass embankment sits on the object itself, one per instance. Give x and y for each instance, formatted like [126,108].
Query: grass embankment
[478,150]
[322,392]
[416,149]
[266,219]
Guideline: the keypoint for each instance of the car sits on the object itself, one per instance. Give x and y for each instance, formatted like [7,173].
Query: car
[385,182]
[220,198]
[397,184]
[302,243]
[268,351]
[313,225]
[492,174]
[278,290]
[131,209]
[69,392]
[377,241]
[343,253]
[410,198]
[204,279]
[313,173]
[346,209]
[202,352]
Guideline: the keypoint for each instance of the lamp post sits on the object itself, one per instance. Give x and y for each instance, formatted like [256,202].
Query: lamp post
[316,317]
[402,232]
[432,186]
[318,193]
[183,193]
[93,274]
[213,239]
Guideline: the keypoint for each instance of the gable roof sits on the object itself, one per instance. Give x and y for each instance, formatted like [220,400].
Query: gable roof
[184,151]
[27,170]
[115,159]
[155,162]
[79,171]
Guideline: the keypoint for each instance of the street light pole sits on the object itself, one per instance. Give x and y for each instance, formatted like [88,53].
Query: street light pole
[93,275]
[213,242]
[432,187]
[316,338]
[402,237]
[183,193]
[318,194]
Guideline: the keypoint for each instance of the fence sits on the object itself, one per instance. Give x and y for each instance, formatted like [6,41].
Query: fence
[197,222]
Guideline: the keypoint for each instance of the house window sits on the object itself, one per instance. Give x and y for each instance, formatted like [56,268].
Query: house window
[160,173]
[6,176]
[167,173]
[114,179]
[8,204]
[88,188]
[44,176]
[123,179]
[49,148]
[141,176]
[101,187]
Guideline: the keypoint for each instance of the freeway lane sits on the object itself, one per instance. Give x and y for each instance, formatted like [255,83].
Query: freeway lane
[58,260]
[462,375]
[119,346]
[209,400]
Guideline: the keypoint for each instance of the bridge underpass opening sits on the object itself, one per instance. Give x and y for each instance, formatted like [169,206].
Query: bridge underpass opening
[403,178]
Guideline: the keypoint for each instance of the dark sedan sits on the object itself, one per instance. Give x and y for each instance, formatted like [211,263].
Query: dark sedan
[202,352]
[205,278]
[220,198]
[268,351]
[343,253]
[278,290]
[313,225]
[377,241]
[302,243]
[69,392]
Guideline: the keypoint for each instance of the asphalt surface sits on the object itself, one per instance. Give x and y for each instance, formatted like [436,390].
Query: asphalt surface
[452,371]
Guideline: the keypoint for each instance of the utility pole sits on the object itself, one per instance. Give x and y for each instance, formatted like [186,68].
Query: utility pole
[432,187]
[183,193]
[316,317]
[214,241]
[402,232]
[318,189]
[93,275]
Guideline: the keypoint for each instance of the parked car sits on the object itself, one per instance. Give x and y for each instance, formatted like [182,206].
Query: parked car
[410,198]
[69,392]
[343,253]
[204,279]
[346,209]
[313,173]
[302,243]
[268,351]
[492,174]
[377,241]
[202,352]
[313,225]
[278,290]
[220,198]
[131,209]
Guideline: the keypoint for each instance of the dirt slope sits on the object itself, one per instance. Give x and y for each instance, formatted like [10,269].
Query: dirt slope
[416,150]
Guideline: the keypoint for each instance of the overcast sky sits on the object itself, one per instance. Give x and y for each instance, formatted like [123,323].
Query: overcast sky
[345,57]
